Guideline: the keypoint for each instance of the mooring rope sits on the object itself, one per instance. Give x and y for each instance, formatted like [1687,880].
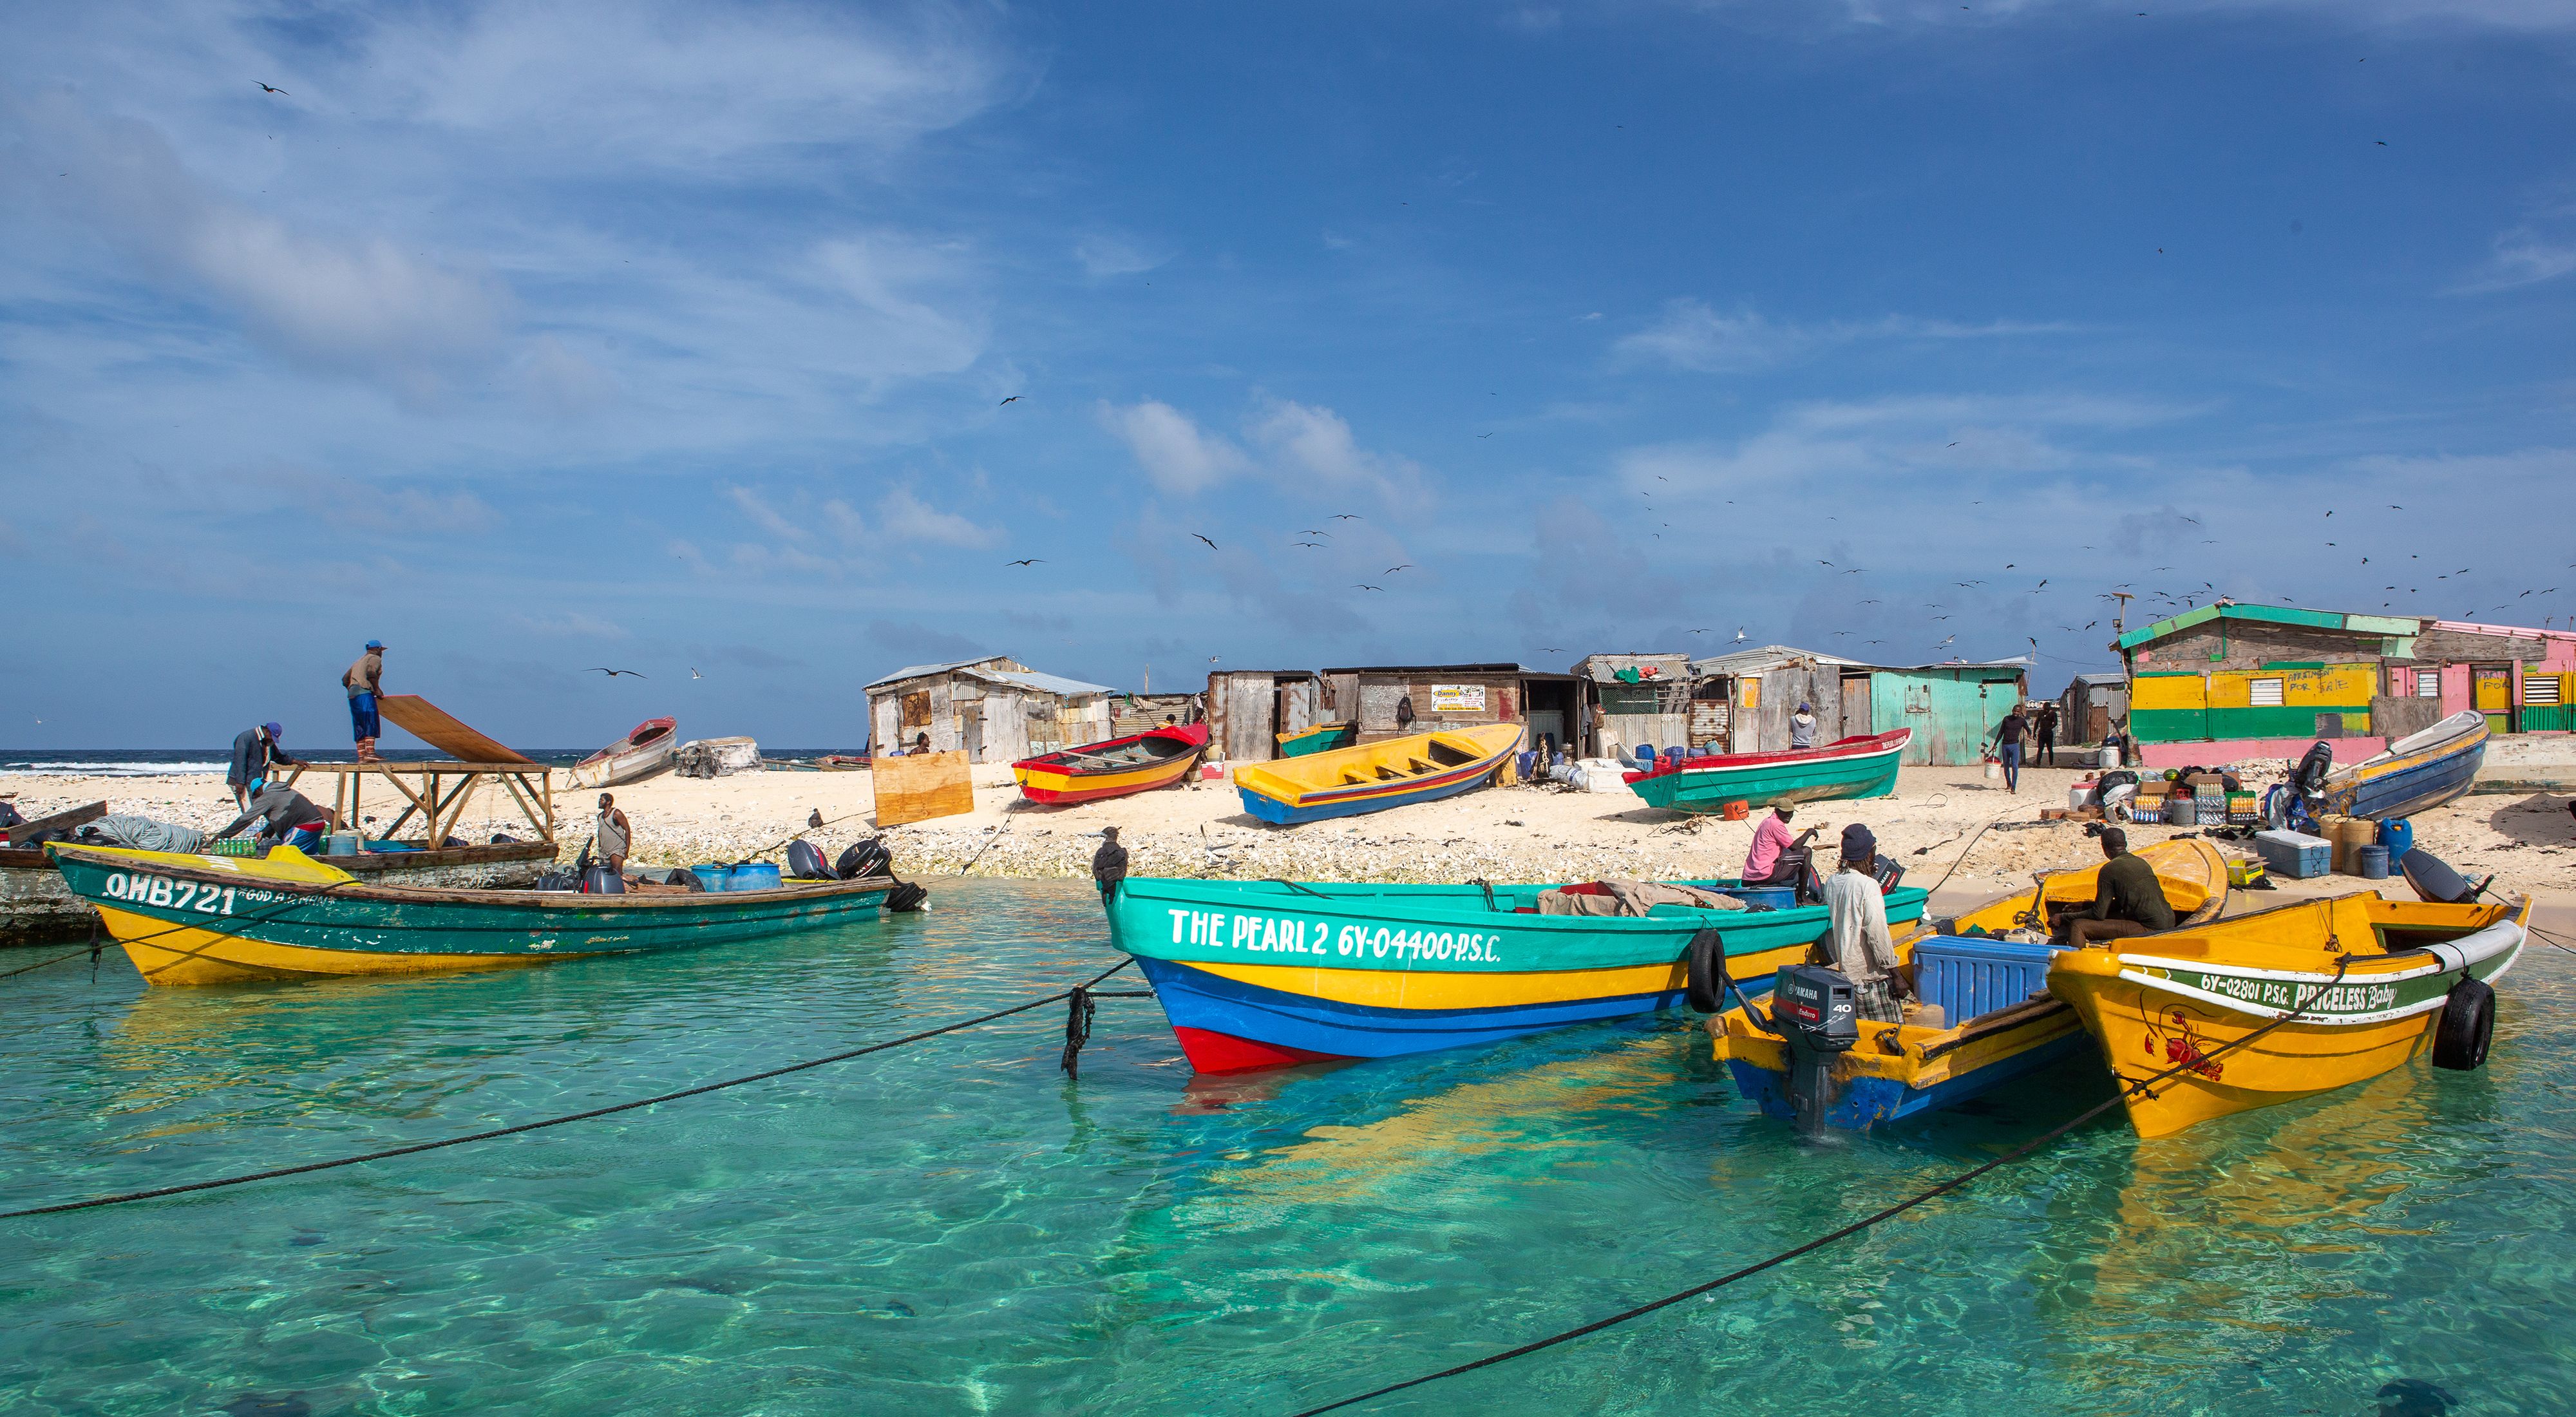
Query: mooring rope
[614,1108]
[85,949]
[1856,1226]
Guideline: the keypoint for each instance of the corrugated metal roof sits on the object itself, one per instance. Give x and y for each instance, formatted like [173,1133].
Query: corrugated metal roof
[921,671]
[1603,668]
[1755,661]
[2102,677]
[1055,684]
[2271,614]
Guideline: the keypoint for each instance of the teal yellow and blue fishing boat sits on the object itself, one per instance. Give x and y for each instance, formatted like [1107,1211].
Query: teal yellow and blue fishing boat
[2416,774]
[1987,972]
[222,919]
[1853,767]
[1323,737]
[1347,782]
[1256,974]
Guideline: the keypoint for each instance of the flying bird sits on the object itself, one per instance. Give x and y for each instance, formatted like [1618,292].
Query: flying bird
[694,674]
[272,88]
[1348,517]
[1310,531]
[1006,403]
[613,673]
[1029,562]
[1739,634]
[1316,544]
[1391,570]
[1368,587]
[1210,544]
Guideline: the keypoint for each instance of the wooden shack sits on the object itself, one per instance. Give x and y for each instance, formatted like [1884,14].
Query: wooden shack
[1247,710]
[1637,699]
[1741,702]
[1389,701]
[2093,707]
[994,710]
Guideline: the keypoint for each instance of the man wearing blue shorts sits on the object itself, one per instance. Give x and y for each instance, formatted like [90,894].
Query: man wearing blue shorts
[364,681]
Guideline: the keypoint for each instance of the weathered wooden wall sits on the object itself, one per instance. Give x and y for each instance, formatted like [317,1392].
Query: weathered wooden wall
[914,789]
[1379,696]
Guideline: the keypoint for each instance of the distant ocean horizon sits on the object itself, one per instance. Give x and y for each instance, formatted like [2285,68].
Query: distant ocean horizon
[182,762]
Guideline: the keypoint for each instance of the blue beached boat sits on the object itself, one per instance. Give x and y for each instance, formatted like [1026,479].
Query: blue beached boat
[1348,782]
[1255,974]
[2418,772]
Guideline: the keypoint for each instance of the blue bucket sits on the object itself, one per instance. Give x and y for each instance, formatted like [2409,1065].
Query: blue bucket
[758,876]
[711,877]
[1776,897]
[2373,861]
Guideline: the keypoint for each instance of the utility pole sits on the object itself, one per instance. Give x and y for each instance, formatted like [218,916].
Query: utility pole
[2117,616]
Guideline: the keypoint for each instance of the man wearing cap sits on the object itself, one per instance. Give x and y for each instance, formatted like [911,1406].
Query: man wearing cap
[2128,900]
[364,681]
[1763,864]
[1109,863]
[1863,950]
[287,812]
[256,752]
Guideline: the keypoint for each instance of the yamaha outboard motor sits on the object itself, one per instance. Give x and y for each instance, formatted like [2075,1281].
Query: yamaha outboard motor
[804,863]
[603,880]
[864,858]
[1814,1009]
[2434,880]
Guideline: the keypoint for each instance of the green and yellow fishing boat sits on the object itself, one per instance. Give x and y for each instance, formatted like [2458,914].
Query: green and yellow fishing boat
[223,919]
[1854,767]
[1322,738]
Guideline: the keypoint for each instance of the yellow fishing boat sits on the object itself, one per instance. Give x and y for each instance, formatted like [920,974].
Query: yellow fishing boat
[2375,983]
[1985,970]
[1345,782]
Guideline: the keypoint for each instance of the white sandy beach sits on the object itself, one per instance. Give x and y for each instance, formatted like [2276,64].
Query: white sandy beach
[1513,833]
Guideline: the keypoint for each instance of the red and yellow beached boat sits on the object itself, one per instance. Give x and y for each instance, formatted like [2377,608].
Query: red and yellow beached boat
[1157,757]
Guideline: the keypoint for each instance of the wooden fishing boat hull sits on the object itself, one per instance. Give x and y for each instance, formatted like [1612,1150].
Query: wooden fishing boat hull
[38,907]
[1934,1069]
[1261,974]
[1903,1070]
[1350,782]
[2179,998]
[1322,738]
[1060,778]
[222,920]
[644,751]
[1853,767]
[2417,773]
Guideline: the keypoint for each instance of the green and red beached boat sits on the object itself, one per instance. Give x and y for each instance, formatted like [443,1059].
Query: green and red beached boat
[1854,767]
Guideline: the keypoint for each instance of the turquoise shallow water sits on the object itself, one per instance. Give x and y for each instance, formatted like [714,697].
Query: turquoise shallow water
[956,1228]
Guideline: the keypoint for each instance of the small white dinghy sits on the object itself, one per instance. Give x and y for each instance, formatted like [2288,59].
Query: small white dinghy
[644,751]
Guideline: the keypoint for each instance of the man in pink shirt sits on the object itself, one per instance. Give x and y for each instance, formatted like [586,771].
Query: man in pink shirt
[1762,863]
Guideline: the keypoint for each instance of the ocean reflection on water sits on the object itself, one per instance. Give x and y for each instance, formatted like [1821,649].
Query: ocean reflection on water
[958,1228]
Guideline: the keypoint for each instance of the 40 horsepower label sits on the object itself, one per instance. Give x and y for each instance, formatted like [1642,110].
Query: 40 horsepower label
[1286,939]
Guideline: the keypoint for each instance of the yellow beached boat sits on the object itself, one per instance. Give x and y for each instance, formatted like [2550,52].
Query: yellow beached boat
[1345,782]
[1997,1024]
[2375,982]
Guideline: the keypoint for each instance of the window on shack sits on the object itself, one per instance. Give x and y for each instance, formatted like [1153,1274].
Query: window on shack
[2428,683]
[916,709]
[2265,693]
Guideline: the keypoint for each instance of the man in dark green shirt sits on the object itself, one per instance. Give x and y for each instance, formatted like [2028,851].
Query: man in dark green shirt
[2127,898]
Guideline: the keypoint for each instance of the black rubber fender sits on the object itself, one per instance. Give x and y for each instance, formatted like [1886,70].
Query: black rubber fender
[1704,972]
[2467,1026]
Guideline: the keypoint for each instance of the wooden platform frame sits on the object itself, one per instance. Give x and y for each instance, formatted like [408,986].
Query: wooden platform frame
[439,804]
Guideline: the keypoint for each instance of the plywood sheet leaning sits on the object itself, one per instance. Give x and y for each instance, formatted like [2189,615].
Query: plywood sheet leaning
[431,724]
[918,787]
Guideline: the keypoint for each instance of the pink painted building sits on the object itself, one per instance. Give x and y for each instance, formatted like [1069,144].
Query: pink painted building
[2517,692]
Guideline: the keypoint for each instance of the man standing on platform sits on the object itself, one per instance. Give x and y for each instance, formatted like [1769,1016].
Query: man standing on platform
[256,752]
[364,681]
[616,834]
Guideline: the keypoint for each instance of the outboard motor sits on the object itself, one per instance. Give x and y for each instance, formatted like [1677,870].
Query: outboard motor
[804,863]
[1814,1009]
[2434,880]
[864,858]
[602,880]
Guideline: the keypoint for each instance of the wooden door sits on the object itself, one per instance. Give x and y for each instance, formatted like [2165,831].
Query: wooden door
[1855,705]
[2491,693]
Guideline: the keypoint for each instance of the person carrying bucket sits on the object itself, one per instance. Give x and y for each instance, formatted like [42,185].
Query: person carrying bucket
[2008,736]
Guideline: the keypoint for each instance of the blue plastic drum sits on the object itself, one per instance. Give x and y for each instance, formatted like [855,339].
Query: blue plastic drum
[758,876]
[2398,835]
[711,877]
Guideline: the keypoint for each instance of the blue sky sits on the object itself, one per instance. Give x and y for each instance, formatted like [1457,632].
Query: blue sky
[539,336]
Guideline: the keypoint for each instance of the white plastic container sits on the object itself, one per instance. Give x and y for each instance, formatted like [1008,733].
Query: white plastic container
[2083,795]
[2110,755]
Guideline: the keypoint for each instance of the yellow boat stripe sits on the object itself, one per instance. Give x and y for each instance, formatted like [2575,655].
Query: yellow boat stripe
[1427,989]
[1050,780]
[192,955]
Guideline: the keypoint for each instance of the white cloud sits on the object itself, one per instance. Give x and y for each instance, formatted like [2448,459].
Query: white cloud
[2523,256]
[1170,448]
[1692,336]
[1105,256]
[575,624]
[1315,444]
[761,510]
[2511,15]
[331,302]
[891,278]
[907,518]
